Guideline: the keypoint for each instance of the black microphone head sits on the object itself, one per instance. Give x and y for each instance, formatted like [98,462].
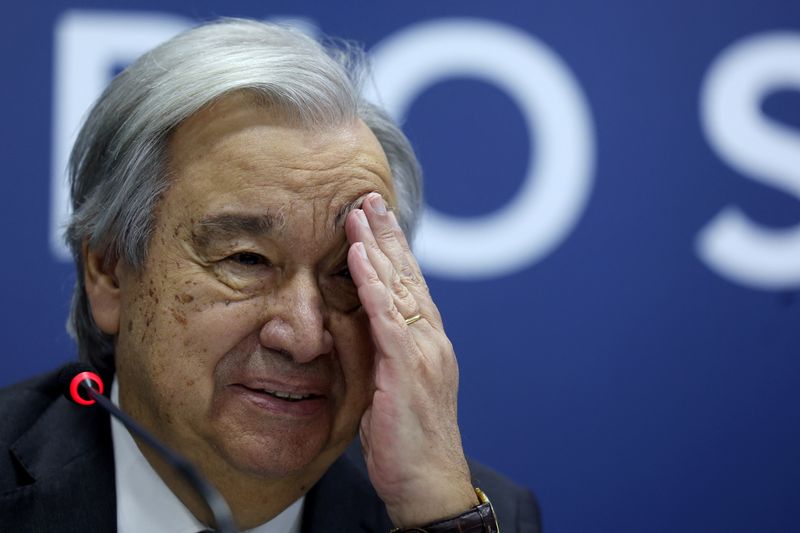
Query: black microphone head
[73,376]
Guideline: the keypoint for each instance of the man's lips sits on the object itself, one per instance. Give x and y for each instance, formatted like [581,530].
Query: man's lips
[289,400]
[289,396]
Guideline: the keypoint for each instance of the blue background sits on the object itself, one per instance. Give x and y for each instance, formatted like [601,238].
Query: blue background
[629,385]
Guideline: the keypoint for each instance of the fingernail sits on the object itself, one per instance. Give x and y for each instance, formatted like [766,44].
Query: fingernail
[377,204]
[361,250]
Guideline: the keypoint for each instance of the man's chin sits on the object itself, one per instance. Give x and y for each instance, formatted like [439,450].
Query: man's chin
[279,457]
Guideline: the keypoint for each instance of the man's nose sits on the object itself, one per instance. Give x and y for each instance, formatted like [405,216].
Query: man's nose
[296,319]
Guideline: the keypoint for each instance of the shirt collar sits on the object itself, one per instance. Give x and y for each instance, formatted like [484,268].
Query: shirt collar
[145,502]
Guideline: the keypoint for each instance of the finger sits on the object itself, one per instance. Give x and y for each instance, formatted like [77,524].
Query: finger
[359,230]
[392,242]
[389,330]
[390,238]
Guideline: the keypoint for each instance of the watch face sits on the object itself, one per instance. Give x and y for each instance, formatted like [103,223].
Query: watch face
[490,517]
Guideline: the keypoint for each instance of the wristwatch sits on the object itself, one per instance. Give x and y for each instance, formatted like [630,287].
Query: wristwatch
[479,519]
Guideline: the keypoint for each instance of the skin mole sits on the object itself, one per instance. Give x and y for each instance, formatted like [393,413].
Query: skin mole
[179,317]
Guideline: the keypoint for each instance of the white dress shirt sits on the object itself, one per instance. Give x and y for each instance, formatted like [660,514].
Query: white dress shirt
[145,503]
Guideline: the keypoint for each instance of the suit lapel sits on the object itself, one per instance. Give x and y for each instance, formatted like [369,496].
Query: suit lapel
[66,463]
[343,501]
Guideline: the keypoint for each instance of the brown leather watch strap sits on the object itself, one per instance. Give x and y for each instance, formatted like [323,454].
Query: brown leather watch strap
[479,519]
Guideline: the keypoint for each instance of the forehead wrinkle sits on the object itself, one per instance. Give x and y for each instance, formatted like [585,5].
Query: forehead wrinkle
[230,225]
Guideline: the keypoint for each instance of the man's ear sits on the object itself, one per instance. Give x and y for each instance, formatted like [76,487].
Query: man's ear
[102,289]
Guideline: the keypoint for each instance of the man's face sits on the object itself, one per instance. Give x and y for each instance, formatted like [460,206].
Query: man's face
[242,342]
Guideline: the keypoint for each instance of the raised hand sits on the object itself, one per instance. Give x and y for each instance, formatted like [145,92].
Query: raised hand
[410,436]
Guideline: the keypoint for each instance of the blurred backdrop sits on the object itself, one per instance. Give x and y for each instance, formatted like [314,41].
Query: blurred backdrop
[612,229]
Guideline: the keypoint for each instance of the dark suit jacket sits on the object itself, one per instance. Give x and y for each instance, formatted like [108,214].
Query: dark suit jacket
[57,474]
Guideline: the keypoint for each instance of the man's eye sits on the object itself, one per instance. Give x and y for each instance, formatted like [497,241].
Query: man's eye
[345,274]
[340,292]
[248,259]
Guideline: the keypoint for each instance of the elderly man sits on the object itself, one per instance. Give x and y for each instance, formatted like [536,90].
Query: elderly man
[244,279]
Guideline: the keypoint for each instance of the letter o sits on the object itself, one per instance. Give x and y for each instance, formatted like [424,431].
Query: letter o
[558,183]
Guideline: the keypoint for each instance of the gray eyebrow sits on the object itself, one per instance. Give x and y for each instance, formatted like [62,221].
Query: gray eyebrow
[341,216]
[231,225]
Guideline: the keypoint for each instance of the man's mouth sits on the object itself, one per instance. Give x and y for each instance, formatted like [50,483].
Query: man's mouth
[296,402]
[286,396]
[289,396]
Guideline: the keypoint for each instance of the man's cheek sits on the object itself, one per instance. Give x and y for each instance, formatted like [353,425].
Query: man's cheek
[362,375]
[357,353]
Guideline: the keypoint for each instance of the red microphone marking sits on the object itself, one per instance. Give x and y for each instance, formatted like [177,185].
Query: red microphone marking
[76,382]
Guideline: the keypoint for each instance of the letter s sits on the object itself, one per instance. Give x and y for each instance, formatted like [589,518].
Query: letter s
[737,82]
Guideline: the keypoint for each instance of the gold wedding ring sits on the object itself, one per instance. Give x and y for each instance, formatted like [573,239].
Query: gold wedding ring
[410,320]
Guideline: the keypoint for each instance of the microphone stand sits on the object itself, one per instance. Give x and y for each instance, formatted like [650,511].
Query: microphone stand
[216,503]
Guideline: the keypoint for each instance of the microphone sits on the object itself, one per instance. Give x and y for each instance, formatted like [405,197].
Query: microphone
[82,385]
